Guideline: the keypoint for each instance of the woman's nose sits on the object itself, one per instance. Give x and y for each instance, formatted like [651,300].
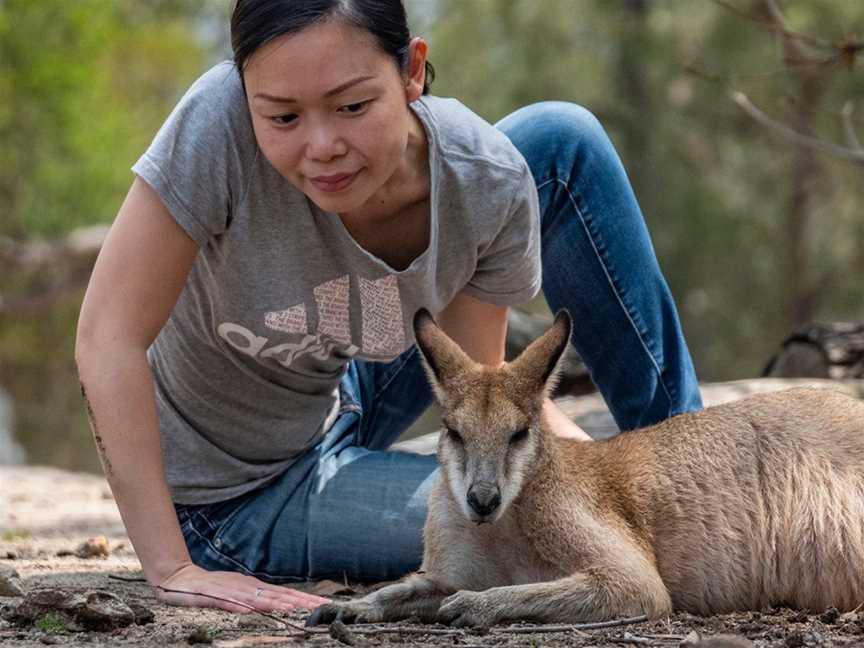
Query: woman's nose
[324,144]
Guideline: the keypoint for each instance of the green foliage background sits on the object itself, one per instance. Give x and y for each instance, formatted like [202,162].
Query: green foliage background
[755,235]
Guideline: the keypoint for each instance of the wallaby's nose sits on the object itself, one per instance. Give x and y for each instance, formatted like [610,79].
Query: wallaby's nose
[484,498]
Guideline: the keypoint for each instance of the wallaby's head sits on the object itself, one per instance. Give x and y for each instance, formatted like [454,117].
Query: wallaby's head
[492,415]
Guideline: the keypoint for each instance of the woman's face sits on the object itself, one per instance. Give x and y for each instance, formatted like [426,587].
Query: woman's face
[330,111]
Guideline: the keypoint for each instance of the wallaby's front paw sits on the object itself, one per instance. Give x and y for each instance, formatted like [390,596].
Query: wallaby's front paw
[467,609]
[358,611]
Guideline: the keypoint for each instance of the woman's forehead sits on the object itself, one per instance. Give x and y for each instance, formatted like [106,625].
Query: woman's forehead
[316,61]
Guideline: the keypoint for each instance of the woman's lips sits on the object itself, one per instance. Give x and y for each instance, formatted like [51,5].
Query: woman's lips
[332,183]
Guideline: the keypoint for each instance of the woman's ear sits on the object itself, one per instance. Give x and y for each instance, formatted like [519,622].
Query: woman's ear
[414,82]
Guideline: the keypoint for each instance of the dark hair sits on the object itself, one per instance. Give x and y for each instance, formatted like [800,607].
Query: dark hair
[255,23]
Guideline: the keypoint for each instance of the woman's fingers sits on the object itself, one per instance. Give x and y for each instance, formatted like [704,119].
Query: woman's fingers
[281,597]
[193,586]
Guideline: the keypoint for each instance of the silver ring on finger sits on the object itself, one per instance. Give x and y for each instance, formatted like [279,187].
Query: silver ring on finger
[258,592]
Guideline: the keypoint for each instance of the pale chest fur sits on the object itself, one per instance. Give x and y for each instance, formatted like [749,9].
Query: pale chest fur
[478,557]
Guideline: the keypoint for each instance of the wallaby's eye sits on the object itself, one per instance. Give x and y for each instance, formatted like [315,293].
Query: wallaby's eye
[453,435]
[519,436]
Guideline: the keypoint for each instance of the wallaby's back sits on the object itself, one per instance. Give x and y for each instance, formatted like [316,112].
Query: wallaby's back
[746,504]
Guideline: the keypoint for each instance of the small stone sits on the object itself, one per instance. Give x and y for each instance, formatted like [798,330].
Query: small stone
[692,639]
[104,611]
[794,640]
[830,615]
[10,582]
[143,615]
[340,632]
[201,635]
[49,640]
[96,547]
[11,555]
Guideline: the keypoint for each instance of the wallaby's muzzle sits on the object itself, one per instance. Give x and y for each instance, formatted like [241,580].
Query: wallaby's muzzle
[484,498]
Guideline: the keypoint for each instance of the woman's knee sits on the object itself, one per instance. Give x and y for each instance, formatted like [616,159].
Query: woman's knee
[553,136]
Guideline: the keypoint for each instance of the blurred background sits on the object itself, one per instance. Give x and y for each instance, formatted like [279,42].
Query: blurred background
[738,122]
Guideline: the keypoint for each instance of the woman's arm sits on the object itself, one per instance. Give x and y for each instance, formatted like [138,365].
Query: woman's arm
[477,326]
[136,281]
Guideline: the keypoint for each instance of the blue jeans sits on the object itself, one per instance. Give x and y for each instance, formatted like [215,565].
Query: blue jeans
[350,507]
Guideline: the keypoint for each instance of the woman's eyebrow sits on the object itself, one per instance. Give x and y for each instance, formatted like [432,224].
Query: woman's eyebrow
[330,93]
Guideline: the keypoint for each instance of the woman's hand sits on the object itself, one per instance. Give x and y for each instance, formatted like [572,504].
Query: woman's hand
[231,591]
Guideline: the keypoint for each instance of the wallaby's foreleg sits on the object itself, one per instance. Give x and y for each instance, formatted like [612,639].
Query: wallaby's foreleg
[418,595]
[591,595]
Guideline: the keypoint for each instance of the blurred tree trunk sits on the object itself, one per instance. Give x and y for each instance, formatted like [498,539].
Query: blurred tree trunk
[804,291]
[638,113]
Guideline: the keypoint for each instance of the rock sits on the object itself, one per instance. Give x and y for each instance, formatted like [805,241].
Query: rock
[830,615]
[143,615]
[10,582]
[94,610]
[821,350]
[96,547]
[104,611]
[201,635]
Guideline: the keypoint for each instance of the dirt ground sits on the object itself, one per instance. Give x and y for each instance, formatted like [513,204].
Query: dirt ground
[45,512]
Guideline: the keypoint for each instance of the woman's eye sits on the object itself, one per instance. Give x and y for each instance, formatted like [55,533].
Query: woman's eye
[519,437]
[283,120]
[355,108]
[453,435]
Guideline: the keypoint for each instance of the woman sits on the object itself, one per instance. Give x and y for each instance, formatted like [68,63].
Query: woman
[245,343]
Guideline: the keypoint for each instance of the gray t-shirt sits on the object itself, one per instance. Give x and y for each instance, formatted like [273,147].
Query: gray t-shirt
[281,297]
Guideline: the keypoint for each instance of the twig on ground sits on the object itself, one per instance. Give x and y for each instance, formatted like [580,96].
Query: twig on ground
[127,579]
[646,640]
[251,608]
[570,627]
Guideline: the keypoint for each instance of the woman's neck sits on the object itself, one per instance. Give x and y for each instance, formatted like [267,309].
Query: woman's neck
[408,186]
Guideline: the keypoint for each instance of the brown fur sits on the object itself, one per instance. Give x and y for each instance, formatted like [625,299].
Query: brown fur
[748,504]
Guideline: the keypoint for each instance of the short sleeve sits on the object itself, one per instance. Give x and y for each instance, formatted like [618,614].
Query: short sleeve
[199,159]
[508,269]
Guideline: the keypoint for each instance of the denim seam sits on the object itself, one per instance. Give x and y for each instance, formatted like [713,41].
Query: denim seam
[390,379]
[615,290]
[239,565]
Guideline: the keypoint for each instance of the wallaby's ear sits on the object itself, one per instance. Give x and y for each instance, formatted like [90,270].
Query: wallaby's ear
[536,368]
[444,361]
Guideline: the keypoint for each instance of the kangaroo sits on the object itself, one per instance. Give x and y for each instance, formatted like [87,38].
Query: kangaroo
[740,506]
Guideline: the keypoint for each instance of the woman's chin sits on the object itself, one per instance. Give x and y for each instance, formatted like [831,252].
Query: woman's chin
[336,202]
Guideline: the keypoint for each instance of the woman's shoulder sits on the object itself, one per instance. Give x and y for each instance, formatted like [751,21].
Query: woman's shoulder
[463,136]
[219,91]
